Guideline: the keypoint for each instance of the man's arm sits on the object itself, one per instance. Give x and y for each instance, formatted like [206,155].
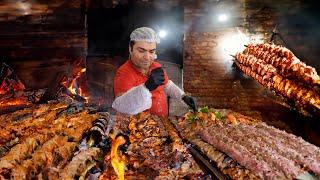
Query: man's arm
[172,90]
[130,99]
[134,101]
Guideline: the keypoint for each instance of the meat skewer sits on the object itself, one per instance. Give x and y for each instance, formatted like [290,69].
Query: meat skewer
[47,140]
[80,163]
[263,150]
[284,60]
[227,165]
[261,69]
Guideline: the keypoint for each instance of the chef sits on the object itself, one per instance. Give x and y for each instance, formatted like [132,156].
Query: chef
[141,84]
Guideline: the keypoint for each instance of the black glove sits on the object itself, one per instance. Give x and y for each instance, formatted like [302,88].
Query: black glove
[156,79]
[190,102]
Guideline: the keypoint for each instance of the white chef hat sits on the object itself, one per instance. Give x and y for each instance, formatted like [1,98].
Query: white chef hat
[144,34]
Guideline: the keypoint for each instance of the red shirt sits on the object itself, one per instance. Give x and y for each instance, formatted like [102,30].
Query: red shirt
[128,76]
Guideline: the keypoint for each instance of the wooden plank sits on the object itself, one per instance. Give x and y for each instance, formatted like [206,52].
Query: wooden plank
[13,28]
[25,41]
[43,53]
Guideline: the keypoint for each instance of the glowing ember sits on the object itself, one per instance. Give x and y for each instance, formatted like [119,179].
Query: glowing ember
[117,159]
[14,102]
[8,80]
[7,86]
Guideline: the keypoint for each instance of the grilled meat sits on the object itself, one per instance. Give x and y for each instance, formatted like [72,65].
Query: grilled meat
[264,150]
[47,140]
[79,163]
[226,164]
[155,147]
[284,60]
[271,70]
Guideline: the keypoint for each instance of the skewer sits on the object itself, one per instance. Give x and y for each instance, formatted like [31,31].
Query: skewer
[214,171]
[317,82]
[202,160]
[235,57]
[316,105]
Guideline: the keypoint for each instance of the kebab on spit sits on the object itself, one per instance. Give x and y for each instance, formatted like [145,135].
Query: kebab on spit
[276,68]
[285,61]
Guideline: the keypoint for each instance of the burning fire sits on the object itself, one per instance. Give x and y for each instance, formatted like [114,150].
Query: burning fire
[10,84]
[6,87]
[117,159]
[74,88]
[9,80]
[73,85]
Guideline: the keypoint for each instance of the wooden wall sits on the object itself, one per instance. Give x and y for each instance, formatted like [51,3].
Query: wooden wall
[41,38]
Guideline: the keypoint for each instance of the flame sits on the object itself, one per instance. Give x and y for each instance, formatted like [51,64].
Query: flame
[117,159]
[8,80]
[9,84]
[73,86]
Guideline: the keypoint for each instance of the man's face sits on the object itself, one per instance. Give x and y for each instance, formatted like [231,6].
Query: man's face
[143,54]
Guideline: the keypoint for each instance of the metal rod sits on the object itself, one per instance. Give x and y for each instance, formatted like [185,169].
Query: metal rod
[212,170]
[201,159]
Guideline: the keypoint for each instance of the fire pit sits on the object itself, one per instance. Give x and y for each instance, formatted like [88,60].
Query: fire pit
[56,133]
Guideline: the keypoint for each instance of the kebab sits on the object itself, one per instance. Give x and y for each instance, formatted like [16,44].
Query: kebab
[269,76]
[80,163]
[284,60]
[263,150]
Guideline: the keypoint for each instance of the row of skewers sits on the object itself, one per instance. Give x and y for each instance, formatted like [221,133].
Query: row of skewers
[51,141]
[278,69]
[245,148]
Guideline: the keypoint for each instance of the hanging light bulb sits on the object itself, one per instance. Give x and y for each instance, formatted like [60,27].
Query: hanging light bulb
[162,33]
[222,17]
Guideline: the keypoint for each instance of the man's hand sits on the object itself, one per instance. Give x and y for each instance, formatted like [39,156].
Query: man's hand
[156,79]
[190,102]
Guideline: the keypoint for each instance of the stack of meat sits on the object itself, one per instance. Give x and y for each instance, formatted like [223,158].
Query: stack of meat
[245,148]
[38,142]
[155,151]
[277,68]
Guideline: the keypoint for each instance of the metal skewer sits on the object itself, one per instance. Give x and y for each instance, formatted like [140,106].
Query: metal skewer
[202,161]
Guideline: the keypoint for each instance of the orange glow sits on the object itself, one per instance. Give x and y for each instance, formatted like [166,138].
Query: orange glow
[13,102]
[117,159]
[73,86]
[2,91]
[9,84]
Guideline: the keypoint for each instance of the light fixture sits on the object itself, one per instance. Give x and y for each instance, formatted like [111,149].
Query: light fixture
[162,33]
[235,42]
[25,7]
[222,17]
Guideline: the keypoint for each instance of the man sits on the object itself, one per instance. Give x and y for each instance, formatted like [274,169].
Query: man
[140,83]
